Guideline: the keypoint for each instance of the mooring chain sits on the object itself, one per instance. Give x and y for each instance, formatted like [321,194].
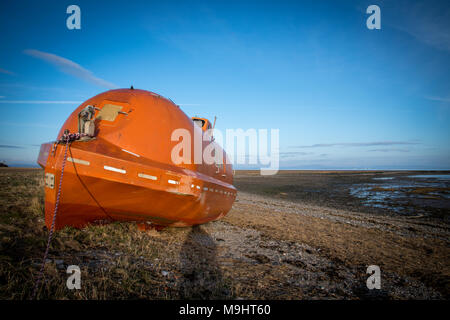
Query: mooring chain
[66,138]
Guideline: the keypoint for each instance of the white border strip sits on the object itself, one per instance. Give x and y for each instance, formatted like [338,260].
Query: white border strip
[134,154]
[79,161]
[147,176]
[172,181]
[114,169]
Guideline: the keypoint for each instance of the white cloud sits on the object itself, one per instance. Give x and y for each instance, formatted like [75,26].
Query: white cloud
[389,150]
[427,21]
[69,67]
[8,146]
[34,125]
[7,72]
[358,144]
[440,99]
[40,102]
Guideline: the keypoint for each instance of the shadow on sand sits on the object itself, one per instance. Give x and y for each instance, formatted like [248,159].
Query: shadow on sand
[201,274]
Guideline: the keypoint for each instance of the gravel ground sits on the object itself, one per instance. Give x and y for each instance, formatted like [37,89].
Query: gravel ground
[330,257]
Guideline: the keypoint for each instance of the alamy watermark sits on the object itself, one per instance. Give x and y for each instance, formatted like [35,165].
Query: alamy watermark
[374,281]
[74,20]
[374,20]
[250,147]
[74,280]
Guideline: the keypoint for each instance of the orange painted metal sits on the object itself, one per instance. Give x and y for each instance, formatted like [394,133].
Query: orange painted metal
[125,173]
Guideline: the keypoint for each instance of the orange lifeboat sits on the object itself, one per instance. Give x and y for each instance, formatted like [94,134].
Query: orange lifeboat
[120,167]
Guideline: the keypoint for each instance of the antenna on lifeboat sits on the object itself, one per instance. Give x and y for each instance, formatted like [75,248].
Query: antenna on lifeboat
[214,125]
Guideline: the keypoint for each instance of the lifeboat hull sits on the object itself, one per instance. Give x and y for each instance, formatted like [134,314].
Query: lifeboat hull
[104,182]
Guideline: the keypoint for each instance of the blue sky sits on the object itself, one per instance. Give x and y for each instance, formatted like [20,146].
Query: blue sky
[342,96]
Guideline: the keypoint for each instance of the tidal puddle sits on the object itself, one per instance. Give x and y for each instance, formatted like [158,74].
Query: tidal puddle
[432,176]
[411,195]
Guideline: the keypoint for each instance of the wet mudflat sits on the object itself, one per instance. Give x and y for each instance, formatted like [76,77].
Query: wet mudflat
[410,193]
[278,242]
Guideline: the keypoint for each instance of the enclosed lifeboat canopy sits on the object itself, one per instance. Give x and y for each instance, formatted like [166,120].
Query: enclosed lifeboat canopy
[120,168]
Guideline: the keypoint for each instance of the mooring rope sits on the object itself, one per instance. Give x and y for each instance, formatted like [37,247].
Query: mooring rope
[66,138]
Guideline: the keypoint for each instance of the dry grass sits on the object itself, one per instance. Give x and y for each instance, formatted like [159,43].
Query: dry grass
[117,261]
